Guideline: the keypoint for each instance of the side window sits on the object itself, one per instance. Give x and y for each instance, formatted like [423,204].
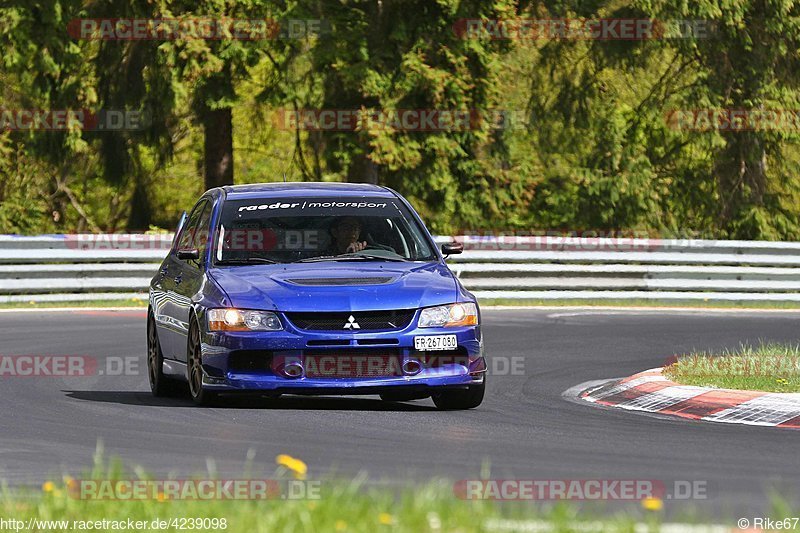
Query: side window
[190,230]
[203,231]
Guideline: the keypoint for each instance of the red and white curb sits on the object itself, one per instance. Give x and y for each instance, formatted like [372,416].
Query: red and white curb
[651,392]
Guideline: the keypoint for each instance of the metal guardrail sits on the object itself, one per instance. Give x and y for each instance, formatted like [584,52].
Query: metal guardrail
[116,267]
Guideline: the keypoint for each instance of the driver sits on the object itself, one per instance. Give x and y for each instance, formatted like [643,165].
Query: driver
[345,232]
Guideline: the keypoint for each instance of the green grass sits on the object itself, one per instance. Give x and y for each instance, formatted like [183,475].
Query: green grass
[767,367]
[352,505]
[487,302]
[347,506]
[88,303]
[341,507]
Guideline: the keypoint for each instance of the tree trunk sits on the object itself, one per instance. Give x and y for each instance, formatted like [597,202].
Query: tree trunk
[218,147]
[141,212]
[362,170]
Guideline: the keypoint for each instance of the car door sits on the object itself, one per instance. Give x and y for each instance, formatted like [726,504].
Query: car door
[161,285]
[172,322]
[189,278]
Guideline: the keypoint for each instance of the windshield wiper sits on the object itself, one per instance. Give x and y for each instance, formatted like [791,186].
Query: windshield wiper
[362,255]
[248,261]
[349,257]
[317,258]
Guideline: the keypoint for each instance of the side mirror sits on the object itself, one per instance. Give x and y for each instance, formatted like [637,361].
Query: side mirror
[188,255]
[452,248]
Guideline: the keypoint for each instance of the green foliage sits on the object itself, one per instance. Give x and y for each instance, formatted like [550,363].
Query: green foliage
[588,145]
[19,212]
[406,55]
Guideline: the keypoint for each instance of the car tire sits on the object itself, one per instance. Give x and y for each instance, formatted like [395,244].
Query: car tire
[160,384]
[194,369]
[452,400]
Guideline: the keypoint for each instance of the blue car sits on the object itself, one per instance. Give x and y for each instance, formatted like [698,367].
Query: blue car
[313,289]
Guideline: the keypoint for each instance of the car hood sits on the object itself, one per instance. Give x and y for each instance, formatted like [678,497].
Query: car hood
[337,286]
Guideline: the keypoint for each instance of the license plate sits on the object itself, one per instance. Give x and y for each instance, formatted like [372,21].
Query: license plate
[432,343]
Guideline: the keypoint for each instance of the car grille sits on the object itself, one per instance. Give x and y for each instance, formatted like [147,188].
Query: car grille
[249,360]
[366,320]
[353,365]
[439,359]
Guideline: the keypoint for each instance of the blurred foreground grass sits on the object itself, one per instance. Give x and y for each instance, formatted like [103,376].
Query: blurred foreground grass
[336,505]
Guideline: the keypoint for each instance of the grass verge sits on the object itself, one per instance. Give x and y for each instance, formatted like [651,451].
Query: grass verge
[325,505]
[340,508]
[138,302]
[336,506]
[769,367]
[485,302]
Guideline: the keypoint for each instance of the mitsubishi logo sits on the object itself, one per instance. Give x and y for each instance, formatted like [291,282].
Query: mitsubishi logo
[351,323]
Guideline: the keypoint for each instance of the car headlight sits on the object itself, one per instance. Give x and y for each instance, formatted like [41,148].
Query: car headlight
[238,320]
[465,314]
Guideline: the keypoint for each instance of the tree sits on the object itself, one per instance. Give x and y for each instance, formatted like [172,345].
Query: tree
[210,69]
[389,55]
[608,142]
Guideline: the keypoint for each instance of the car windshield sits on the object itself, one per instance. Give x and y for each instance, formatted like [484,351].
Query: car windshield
[286,230]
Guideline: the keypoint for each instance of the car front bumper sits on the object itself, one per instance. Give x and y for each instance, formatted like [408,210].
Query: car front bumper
[256,361]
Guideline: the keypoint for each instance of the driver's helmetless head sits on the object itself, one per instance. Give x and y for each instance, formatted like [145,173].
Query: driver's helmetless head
[346,230]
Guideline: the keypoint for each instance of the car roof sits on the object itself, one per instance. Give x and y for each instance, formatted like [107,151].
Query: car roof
[305,189]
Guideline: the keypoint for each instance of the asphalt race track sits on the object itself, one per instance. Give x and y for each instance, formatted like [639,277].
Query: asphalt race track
[525,429]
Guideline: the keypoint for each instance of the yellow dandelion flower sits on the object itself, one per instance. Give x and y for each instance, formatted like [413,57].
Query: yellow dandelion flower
[340,525]
[49,486]
[160,497]
[71,485]
[296,466]
[652,504]
[386,519]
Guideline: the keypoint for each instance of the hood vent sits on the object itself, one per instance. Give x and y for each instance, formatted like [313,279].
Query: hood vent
[340,281]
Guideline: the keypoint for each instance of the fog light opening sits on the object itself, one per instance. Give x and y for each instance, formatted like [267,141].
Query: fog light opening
[293,370]
[412,367]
